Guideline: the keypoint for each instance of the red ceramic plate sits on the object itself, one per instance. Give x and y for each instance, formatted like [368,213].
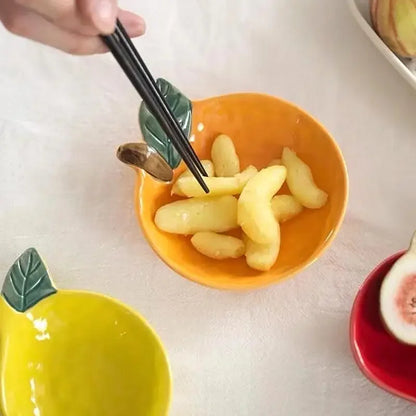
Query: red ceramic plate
[383,360]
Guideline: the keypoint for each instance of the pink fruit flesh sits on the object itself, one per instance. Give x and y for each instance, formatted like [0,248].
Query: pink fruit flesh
[406,299]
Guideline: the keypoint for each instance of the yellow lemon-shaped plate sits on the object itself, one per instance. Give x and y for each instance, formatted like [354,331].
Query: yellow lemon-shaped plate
[72,353]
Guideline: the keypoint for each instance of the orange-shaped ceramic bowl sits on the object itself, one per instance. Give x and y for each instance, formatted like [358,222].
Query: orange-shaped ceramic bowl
[260,127]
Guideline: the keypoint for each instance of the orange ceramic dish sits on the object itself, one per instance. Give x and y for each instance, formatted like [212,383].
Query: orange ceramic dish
[260,127]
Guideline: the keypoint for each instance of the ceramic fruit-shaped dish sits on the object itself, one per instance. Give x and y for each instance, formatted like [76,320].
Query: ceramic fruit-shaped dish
[385,361]
[75,353]
[260,127]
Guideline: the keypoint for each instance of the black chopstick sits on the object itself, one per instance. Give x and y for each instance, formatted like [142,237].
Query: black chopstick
[138,82]
[134,54]
[117,44]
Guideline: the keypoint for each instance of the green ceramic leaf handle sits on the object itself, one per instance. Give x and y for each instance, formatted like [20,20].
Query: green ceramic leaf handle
[27,282]
[154,135]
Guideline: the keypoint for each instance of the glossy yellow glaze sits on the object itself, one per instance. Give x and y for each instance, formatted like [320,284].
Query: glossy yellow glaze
[81,354]
[260,127]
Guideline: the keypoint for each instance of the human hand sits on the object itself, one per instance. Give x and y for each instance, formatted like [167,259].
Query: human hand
[70,25]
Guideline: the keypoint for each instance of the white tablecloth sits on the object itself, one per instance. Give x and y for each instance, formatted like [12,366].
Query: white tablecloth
[283,350]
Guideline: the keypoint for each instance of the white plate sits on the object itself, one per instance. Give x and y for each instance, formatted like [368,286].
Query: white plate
[361,12]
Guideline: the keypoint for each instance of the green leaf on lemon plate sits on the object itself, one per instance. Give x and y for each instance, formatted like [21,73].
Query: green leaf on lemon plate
[27,281]
[154,135]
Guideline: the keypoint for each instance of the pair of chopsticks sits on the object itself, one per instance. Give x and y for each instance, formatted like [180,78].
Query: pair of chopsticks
[132,64]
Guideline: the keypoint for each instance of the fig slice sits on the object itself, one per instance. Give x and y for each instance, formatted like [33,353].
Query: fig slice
[398,297]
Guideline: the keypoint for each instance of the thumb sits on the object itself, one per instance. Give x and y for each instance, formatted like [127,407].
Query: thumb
[101,13]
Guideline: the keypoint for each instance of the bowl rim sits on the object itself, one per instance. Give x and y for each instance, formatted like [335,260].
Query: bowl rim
[355,350]
[289,273]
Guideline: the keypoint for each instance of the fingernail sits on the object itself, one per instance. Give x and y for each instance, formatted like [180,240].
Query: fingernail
[104,16]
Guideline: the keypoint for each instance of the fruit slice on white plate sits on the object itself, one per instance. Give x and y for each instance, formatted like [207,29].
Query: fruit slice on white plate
[398,297]
[361,11]
[395,23]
